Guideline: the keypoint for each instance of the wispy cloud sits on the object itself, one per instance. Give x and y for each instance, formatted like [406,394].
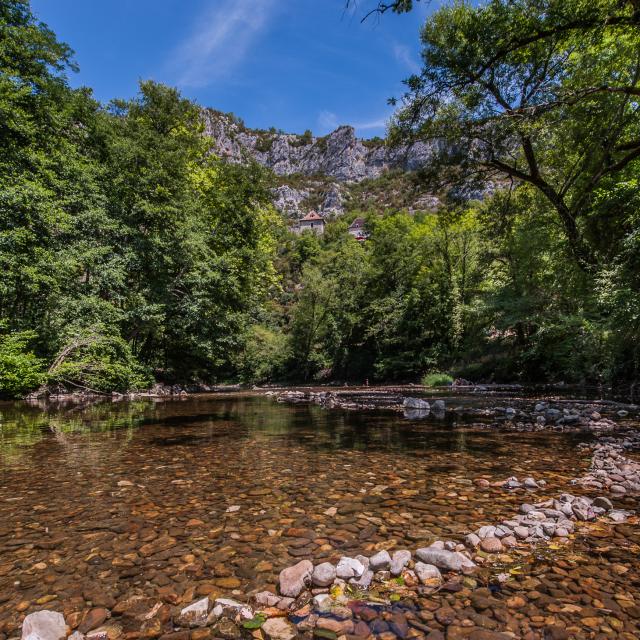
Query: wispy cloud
[380,123]
[223,36]
[328,121]
[403,55]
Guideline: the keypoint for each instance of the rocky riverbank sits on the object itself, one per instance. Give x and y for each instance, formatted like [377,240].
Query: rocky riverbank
[526,416]
[452,589]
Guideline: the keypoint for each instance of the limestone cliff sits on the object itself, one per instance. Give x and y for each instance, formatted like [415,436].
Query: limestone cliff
[331,163]
[339,155]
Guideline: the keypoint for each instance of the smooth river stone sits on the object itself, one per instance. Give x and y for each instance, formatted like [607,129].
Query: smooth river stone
[293,579]
[279,629]
[323,575]
[349,568]
[44,625]
[449,560]
[428,573]
[381,561]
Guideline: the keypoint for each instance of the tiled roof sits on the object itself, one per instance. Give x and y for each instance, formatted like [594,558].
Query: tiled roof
[312,215]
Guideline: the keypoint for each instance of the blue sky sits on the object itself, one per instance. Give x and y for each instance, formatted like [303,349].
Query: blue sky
[291,64]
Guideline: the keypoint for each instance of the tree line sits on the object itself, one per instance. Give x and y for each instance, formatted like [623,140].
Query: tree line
[131,254]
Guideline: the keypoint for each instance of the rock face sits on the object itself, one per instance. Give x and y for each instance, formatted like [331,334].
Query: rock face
[339,155]
[44,625]
[289,200]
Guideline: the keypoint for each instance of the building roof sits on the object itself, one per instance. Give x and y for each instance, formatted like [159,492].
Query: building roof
[358,223]
[312,215]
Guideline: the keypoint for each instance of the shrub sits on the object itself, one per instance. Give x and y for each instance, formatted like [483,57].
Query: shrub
[437,379]
[265,355]
[305,139]
[101,363]
[20,370]
[264,143]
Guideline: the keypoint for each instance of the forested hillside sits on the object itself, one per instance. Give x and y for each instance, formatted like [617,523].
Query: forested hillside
[130,253]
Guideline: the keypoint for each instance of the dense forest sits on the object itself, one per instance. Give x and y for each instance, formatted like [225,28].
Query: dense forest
[130,253]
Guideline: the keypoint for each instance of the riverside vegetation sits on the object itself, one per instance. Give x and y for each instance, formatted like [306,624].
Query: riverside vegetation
[130,253]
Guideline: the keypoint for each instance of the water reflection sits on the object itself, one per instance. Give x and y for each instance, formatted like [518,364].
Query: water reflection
[204,419]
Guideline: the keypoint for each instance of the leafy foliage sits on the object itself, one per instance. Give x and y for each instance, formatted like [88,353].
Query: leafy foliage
[130,253]
[118,223]
[20,369]
[437,380]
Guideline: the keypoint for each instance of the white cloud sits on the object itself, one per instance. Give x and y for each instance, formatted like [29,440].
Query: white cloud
[380,123]
[403,55]
[328,120]
[220,41]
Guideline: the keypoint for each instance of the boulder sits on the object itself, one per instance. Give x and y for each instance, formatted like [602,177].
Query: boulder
[448,560]
[416,403]
[399,561]
[381,561]
[323,575]
[428,574]
[44,625]
[349,568]
[294,579]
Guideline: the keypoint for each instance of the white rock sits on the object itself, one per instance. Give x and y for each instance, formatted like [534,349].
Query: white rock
[323,602]
[449,560]
[266,599]
[428,573]
[415,403]
[349,568]
[381,561]
[364,581]
[363,560]
[293,579]
[472,540]
[279,629]
[399,561]
[195,614]
[44,625]
[486,532]
[323,575]
[233,608]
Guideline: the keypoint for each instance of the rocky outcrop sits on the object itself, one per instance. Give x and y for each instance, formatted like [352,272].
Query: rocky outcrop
[289,201]
[339,155]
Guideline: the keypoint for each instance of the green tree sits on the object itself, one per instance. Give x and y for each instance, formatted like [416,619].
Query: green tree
[514,85]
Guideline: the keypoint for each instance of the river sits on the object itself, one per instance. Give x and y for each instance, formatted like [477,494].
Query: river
[213,495]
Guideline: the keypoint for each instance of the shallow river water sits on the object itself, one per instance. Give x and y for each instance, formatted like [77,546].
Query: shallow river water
[215,494]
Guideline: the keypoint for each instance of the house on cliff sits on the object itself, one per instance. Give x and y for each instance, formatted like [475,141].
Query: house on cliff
[312,221]
[357,230]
